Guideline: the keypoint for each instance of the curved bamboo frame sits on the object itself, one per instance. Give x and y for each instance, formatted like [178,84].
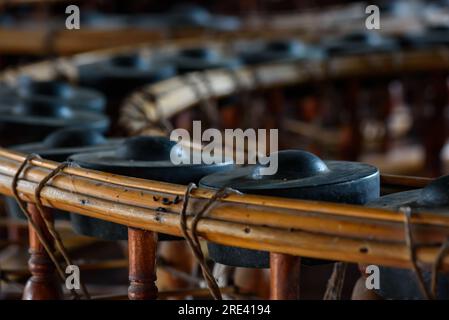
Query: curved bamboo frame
[304,228]
[160,101]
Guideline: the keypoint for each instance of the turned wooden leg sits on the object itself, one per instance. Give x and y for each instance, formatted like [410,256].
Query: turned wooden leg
[285,270]
[43,284]
[142,264]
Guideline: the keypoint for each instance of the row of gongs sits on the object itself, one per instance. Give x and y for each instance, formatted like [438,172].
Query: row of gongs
[36,109]
[301,175]
[117,76]
[195,16]
[181,16]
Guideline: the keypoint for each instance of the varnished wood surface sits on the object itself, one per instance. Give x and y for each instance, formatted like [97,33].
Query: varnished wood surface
[284,276]
[142,245]
[43,283]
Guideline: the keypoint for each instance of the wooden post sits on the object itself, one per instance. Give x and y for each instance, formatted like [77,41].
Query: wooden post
[142,264]
[43,283]
[285,271]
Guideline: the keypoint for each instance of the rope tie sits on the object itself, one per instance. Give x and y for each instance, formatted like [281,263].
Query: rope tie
[138,105]
[207,84]
[256,78]
[192,238]
[336,281]
[207,103]
[241,90]
[235,78]
[213,105]
[162,121]
[444,250]
[412,250]
[36,228]
[246,93]
[66,70]
[50,226]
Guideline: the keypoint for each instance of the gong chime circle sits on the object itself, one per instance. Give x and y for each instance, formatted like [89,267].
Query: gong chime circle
[40,109]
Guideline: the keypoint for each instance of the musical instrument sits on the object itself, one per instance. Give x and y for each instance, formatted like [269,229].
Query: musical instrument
[140,157]
[337,96]
[402,284]
[60,92]
[300,175]
[58,146]
[35,119]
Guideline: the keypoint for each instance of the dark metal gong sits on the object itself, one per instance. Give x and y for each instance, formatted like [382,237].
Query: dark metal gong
[139,157]
[200,59]
[398,283]
[359,43]
[431,37]
[277,51]
[119,75]
[194,16]
[7,94]
[36,119]
[300,175]
[61,92]
[58,146]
